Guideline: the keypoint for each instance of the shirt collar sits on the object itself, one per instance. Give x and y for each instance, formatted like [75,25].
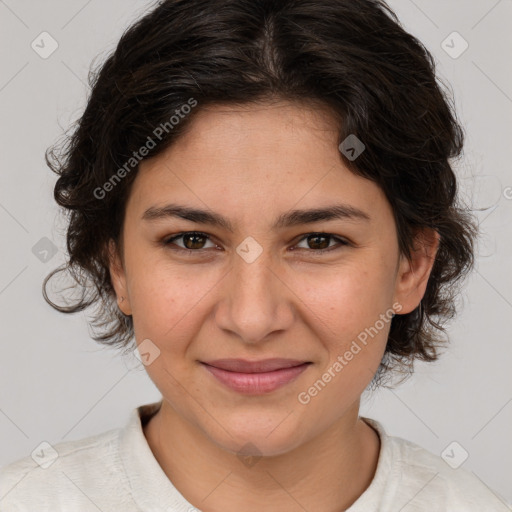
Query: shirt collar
[153,491]
[379,486]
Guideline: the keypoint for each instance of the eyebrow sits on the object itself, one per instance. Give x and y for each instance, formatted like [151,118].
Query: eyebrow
[288,219]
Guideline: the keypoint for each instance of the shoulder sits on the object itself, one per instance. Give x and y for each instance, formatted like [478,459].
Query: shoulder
[72,473]
[418,480]
[434,477]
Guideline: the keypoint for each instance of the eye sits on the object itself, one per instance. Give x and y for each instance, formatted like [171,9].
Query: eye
[193,241]
[319,242]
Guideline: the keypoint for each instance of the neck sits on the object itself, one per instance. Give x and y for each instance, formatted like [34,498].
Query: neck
[327,473]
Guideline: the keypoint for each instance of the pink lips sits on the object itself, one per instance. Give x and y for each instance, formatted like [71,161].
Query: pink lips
[255,377]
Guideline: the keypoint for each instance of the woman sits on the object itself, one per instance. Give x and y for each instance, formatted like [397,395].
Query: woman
[261,197]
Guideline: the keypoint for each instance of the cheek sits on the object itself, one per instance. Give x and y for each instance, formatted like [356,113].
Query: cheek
[351,316]
[166,301]
[346,300]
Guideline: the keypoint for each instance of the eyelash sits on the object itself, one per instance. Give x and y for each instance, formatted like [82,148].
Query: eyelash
[168,242]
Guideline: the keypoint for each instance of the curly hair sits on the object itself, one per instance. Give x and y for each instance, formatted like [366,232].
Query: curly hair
[353,57]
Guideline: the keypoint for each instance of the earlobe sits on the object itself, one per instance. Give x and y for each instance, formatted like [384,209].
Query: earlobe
[413,274]
[118,278]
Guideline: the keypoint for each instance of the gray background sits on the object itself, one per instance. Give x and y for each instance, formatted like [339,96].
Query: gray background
[57,384]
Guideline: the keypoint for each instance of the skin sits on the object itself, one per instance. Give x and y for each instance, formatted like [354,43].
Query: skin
[251,164]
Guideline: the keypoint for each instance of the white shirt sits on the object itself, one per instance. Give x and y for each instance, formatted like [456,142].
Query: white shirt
[116,471]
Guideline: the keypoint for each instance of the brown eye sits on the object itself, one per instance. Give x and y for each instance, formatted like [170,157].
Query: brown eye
[319,242]
[192,241]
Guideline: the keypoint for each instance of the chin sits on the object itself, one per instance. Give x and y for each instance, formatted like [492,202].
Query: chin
[259,434]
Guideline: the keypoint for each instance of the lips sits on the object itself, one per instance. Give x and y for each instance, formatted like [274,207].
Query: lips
[262,366]
[255,377]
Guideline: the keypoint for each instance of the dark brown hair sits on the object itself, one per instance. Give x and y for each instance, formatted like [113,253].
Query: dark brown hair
[351,56]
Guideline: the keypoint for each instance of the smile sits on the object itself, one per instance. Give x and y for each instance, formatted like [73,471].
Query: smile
[258,377]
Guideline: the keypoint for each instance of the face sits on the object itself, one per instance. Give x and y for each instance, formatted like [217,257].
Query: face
[259,283]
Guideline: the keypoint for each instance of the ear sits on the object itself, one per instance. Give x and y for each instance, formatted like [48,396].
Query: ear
[118,278]
[412,276]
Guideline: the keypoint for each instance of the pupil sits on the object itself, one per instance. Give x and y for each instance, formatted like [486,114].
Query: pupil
[316,238]
[195,244]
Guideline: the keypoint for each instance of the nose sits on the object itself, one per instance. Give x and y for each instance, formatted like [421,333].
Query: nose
[255,300]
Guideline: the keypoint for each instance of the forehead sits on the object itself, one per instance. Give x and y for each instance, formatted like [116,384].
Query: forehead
[252,159]
[247,130]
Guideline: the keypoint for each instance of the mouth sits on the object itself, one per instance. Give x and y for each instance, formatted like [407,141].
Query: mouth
[255,377]
[261,366]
